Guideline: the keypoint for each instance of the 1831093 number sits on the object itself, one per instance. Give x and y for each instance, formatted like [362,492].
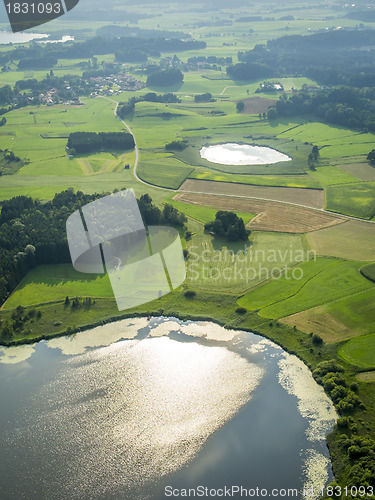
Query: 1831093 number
[34,8]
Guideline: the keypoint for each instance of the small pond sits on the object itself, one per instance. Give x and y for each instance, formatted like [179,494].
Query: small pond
[242,154]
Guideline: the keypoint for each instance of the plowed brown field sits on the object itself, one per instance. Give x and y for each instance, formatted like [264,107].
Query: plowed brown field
[308,197]
[271,216]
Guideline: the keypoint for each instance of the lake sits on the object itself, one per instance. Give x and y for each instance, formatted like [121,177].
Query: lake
[241,154]
[125,410]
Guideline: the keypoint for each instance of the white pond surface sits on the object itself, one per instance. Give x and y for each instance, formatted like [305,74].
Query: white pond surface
[8,37]
[242,154]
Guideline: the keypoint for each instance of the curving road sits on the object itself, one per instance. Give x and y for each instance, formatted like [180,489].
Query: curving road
[216,194]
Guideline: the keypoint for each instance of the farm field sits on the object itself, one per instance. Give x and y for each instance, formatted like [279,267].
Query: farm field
[339,320]
[271,216]
[218,265]
[352,240]
[53,283]
[307,197]
[319,285]
[202,213]
[357,200]
[360,351]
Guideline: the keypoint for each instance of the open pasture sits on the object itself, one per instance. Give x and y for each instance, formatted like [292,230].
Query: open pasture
[358,167]
[299,181]
[45,187]
[360,351]
[357,200]
[351,240]
[338,320]
[51,283]
[318,286]
[215,264]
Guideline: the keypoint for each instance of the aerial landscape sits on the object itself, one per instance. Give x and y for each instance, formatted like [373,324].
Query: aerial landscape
[248,131]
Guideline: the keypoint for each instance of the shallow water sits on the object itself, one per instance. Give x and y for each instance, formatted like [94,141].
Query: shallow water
[242,154]
[121,411]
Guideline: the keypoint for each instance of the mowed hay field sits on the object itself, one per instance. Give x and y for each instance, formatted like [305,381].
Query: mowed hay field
[271,216]
[308,197]
[51,283]
[339,320]
[351,240]
[321,281]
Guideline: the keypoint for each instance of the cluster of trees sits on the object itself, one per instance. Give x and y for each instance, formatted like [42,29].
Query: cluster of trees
[86,142]
[240,106]
[347,106]
[9,162]
[126,108]
[6,95]
[207,97]
[176,145]
[37,63]
[313,158]
[165,78]
[19,320]
[224,61]
[357,465]
[34,233]
[152,214]
[330,58]
[329,374]
[228,225]
[371,156]
[249,71]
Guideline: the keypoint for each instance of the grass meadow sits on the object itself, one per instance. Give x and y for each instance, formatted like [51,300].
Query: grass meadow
[360,351]
[323,281]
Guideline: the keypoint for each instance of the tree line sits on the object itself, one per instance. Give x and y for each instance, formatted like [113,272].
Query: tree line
[330,58]
[35,55]
[347,106]
[86,142]
[34,232]
[125,108]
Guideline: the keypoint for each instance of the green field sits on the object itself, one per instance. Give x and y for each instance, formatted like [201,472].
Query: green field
[353,240]
[357,200]
[369,272]
[323,281]
[218,265]
[360,351]
[54,282]
[204,214]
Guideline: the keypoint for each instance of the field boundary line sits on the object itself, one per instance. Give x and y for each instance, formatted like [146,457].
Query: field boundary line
[330,302]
